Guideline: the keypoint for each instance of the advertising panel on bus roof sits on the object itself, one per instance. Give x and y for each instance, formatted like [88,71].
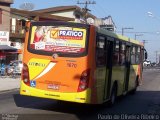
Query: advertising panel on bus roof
[58,39]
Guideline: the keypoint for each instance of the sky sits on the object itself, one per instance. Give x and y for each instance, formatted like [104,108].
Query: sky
[125,13]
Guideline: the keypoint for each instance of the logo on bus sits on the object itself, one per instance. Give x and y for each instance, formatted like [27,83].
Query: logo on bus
[67,34]
[37,64]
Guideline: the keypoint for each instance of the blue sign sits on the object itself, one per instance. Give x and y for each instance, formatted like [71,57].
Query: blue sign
[33,83]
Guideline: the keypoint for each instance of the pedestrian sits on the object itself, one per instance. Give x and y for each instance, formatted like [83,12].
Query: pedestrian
[2,69]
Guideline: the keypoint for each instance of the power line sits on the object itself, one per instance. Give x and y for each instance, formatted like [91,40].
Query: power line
[103,10]
[139,32]
[96,10]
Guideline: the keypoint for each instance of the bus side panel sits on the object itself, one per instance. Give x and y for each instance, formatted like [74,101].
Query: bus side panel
[26,42]
[92,64]
[118,73]
[132,77]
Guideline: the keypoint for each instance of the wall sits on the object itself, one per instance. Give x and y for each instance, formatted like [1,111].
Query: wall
[65,14]
[5,26]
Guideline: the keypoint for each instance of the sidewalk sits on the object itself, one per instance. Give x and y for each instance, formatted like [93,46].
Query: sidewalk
[8,83]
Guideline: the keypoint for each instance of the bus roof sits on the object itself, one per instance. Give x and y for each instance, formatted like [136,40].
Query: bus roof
[118,36]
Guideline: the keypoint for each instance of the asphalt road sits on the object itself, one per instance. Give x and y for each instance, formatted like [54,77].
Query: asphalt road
[146,101]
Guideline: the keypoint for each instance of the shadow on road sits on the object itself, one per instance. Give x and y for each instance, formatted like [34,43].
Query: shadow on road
[146,102]
[82,111]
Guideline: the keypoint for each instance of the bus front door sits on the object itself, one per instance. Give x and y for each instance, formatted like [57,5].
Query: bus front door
[127,68]
[109,54]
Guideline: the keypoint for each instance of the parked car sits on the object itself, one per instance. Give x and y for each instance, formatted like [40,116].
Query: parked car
[147,63]
[153,64]
[14,67]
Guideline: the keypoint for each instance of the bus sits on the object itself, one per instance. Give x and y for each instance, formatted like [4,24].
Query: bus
[80,63]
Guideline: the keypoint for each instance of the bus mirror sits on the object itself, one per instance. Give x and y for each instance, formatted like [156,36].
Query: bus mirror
[145,55]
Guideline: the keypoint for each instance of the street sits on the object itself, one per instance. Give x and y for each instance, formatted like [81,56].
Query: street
[140,105]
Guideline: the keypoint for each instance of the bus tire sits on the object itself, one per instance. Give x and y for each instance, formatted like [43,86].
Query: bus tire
[136,85]
[113,95]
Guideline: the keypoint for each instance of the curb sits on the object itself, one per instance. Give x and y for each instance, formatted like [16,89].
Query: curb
[8,91]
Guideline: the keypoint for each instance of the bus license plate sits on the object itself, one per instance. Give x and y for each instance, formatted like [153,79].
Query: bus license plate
[54,87]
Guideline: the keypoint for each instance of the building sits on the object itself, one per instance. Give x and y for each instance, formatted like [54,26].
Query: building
[5,14]
[108,24]
[6,52]
[75,12]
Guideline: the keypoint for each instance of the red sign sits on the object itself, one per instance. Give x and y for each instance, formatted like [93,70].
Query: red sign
[2,55]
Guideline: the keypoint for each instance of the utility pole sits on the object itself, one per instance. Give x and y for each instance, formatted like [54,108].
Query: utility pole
[144,42]
[85,9]
[125,28]
[156,57]
[159,59]
[137,35]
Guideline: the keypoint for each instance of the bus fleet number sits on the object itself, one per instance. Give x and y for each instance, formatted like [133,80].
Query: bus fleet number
[73,65]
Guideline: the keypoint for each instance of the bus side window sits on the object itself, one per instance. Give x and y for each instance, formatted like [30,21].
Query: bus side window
[122,53]
[116,53]
[137,55]
[100,51]
[133,55]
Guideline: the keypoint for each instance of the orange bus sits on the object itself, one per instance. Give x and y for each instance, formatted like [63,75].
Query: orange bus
[79,63]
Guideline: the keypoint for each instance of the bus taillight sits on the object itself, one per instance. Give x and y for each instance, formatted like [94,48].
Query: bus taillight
[25,74]
[84,80]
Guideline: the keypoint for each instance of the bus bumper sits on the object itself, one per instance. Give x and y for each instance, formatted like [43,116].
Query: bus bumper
[79,97]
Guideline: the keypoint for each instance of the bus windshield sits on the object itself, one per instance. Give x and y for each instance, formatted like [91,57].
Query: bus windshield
[61,39]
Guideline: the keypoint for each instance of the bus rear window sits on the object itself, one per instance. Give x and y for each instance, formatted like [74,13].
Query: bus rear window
[59,39]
